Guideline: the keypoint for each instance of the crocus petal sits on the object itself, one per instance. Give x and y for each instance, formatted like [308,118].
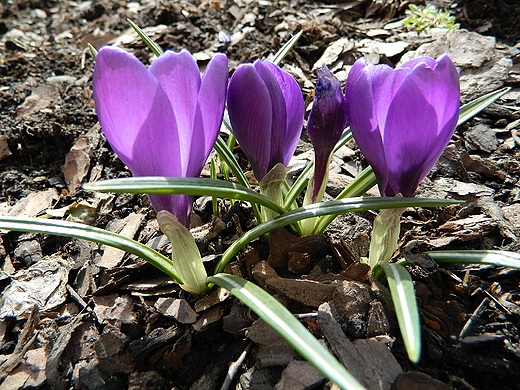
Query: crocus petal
[133,109]
[278,113]
[180,204]
[211,103]
[402,119]
[266,110]
[179,76]
[250,113]
[362,119]
[294,108]
[411,125]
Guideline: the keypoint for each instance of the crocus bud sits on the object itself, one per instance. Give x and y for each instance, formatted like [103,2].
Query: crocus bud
[161,121]
[402,119]
[266,111]
[325,125]
[186,260]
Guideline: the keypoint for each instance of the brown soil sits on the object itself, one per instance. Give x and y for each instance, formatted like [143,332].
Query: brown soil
[136,346]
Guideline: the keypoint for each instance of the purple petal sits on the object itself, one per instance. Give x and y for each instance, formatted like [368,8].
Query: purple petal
[294,108]
[178,205]
[439,85]
[135,114]
[429,61]
[138,121]
[211,100]
[414,108]
[179,76]
[328,114]
[410,136]
[363,121]
[250,113]
[278,112]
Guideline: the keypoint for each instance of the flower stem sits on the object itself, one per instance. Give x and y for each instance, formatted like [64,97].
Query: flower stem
[385,235]
[271,186]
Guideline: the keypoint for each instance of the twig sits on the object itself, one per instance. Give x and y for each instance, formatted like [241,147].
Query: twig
[234,367]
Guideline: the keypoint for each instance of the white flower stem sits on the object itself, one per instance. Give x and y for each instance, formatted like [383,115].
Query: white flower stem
[271,186]
[385,235]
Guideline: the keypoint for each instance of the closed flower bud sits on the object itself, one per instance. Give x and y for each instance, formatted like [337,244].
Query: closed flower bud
[266,110]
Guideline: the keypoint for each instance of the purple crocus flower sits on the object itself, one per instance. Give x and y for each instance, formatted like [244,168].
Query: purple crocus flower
[161,121]
[402,119]
[326,123]
[266,110]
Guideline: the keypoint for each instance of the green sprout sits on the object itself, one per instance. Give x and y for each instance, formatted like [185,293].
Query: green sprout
[429,17]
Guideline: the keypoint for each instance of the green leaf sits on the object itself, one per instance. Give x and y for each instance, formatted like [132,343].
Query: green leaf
[92,50]
[469,110]
[183,185]
[498,258]
[281,319]
[403,296]
[282,53]
[154,47]
[334,207]
[227,155]
[89,233]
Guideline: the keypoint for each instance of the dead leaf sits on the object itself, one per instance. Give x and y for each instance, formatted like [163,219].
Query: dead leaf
[4,148]
[282,243]
[77,161]
[299,375]
[368,360]
[113,309]
[112,257]
[30,373]
[44,285]
[33,204]
[273,349]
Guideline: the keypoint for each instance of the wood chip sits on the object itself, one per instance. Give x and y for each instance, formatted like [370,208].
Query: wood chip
[368,360]
[176,308]
[113,257]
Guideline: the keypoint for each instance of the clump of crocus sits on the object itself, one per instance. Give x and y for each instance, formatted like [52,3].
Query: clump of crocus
[162,120]
[266,111]
[402,119]
[325,125]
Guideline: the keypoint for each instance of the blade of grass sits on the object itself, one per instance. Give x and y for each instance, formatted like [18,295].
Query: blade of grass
[403,296]
[89,233]
[154,47]
[498,258]
[282,53]
[183,185]
[92,50]
[281,319]
[469,110]
[334,207]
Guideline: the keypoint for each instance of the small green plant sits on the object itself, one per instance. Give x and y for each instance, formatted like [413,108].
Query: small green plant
[422,18]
